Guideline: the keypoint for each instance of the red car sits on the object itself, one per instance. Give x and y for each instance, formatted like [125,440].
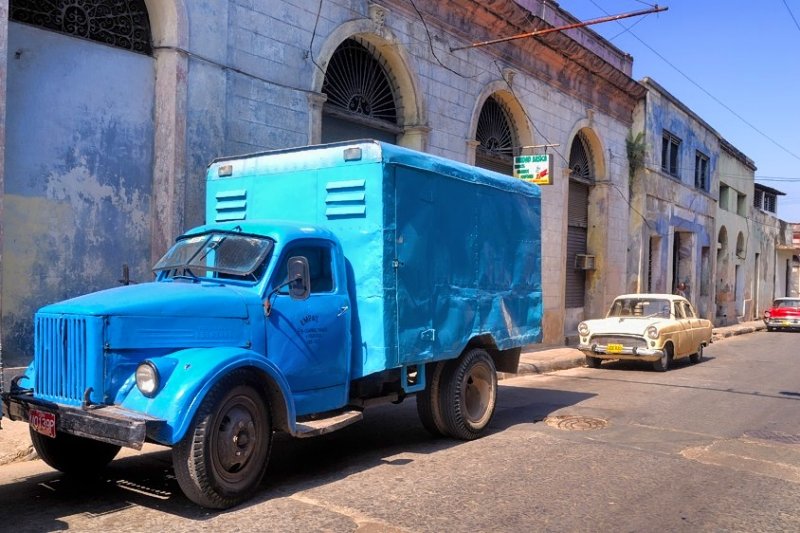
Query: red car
[784,314]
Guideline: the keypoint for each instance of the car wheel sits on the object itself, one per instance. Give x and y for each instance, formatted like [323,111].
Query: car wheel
[593,362]
[698,356]
[223,456]
[663,364]
[770,328]
[468,394]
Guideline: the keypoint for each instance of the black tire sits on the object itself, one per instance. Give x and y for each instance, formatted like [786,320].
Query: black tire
[593,362]
[697,356]
[663,364]
[468,394]
[428,409]
[223,456]
[770,329]
[73,455]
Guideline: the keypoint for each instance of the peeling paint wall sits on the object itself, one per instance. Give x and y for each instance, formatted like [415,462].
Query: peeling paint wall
[77,176]
[672,226]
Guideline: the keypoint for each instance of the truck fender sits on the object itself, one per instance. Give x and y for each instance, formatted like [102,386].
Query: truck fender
[186,377]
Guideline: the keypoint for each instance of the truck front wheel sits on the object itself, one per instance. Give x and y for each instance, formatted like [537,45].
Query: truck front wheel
[73,455]
[468,394]
[223,456]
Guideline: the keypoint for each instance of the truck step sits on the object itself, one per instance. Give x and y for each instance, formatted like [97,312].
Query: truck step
[314,428]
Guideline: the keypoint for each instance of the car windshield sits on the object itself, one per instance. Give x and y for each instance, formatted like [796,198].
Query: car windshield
[639,307]
[787,303]
[218,255]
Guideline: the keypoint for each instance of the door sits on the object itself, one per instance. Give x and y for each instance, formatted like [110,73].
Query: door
[309,339]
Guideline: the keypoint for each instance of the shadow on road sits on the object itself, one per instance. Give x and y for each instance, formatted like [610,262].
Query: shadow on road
[40,502]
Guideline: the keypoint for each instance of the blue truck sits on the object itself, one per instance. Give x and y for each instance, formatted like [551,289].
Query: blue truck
[327,279]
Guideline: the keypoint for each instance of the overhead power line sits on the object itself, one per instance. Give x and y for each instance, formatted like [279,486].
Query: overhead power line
[717,100]
[526,35]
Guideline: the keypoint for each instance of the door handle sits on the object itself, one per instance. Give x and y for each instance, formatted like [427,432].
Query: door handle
[343,310]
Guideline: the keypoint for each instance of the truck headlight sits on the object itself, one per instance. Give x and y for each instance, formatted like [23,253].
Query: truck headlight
[652,332]
[583,329]
[147,378]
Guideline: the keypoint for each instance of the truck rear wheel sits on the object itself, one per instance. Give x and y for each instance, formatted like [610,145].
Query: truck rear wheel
[430,414]
[73,455]
[223,456]
[468,394]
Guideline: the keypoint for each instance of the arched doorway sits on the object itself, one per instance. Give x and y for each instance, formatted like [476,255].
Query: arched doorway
[79,154]
[496,137]
[361,101]
[581,179]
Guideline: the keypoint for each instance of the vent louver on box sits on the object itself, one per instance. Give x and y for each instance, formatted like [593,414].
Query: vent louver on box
[231,205]
[346,199]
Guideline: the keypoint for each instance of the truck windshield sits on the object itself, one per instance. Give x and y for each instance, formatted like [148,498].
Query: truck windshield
[218,255]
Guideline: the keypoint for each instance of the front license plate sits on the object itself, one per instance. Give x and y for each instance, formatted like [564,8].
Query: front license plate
[43,422]
[786,323]
[614,348]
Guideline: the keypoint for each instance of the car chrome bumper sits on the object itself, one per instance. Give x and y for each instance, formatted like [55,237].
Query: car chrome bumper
[783,323]
[628,352]
[107,423]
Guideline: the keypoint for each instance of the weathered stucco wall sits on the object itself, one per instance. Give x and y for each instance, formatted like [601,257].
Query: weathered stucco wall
[671,207]
[78,173]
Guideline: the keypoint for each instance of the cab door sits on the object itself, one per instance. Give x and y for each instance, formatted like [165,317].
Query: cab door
[309,339]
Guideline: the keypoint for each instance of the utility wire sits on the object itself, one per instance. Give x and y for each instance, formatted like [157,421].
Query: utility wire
[791,15]
[717,100]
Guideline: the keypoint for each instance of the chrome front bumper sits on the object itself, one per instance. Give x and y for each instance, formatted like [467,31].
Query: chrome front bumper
[628,352]
[782,323]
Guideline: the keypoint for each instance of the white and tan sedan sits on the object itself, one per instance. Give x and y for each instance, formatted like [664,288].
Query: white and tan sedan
[646,327]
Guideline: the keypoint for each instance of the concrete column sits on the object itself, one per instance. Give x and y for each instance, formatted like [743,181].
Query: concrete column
[415,137]
[315,103]
[169,169]
[3,74]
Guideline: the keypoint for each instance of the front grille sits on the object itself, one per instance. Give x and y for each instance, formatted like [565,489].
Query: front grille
[626,341]
[65,353]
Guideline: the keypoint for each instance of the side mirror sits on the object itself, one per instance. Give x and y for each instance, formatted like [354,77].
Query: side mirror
[298,278]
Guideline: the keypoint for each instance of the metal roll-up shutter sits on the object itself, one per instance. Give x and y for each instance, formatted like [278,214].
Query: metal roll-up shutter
[577,223]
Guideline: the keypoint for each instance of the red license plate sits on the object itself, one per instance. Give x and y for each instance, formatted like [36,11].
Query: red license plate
[43,422]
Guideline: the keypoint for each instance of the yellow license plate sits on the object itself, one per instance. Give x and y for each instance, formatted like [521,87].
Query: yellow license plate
[614,348]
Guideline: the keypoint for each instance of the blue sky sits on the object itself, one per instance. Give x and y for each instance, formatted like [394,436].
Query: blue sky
[733,57]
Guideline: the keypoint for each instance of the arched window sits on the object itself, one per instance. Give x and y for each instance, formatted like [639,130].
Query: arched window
[496,137]
[361,101]
[120,23]
[580,161]
[581,177]
[722,242]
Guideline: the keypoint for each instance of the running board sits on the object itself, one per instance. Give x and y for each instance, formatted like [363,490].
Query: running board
[321,426]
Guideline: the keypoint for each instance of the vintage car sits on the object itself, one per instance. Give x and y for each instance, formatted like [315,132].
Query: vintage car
[646,327]
[784,314]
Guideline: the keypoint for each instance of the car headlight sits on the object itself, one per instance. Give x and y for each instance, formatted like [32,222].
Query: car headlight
[583,329]
[652,332]
[147,378]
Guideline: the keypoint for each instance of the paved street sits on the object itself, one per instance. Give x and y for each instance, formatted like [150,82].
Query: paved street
[705,447]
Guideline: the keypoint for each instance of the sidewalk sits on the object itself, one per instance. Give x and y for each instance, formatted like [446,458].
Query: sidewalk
[15,443]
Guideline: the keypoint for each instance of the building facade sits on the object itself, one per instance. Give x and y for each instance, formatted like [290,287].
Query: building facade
[112,111]
[673,200]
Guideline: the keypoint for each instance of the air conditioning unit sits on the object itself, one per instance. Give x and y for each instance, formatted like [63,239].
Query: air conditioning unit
[584,262]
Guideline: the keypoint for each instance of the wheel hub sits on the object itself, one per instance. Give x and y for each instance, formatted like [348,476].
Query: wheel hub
[236,439]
